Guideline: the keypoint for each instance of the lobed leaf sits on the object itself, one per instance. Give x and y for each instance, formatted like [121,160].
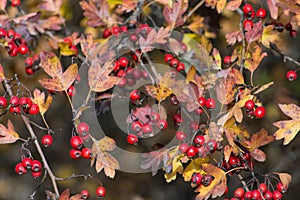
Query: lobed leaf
[8,135]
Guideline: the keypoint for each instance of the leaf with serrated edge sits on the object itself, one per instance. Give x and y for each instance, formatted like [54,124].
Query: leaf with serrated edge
[288,129]
[193,167]
[285,178]
[255,59]
[269,36]
[39,99]
[254,33]
[8,135]
[176,168]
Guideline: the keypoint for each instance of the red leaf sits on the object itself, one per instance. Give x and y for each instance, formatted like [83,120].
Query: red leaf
[50,5]
[153,37]
[233,37]
[255,33]
[173,15]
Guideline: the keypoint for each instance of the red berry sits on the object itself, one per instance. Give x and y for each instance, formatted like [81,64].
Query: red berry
[86,153]
[34,109]
[180,67]
[20,169]
[293,33]
[227,60]
[83,128]
[29,71]
[198,111]
[123,29]
[123,61]
[239,193]
[23,49]
[291,75]
[249,105]
[199,140]
[135,95]
[71,91]
[27,163]
[168,57]
[106,33]
[201,101]
[277,195]
[288,26]
[183,147]
[212,145]
[101,191]
[196,178]
[248,195]
[154,116]
[3,102]
[177,118]
[122,82]
[130,81]
[207,179]
[132,139]
[256,195]
[74,49]
[75,153]
[144,74]
[180,135]
[191,151]
[36,174]
[36,166]
[23,102]
[11,33]
[248,23]
[115,30]
[268,195]
[260,112]
[76,142]
[281,188]
[234,161]
[15,110]
[162,124]
[174,100]
[84,194]
[210,103]
[147,128]
[14,101]
[263,187]
[261,13]
[248,11]
[136,126]
[183,46]
[47,140]
[174,62]
[2,32]
[15,3]
[133,38]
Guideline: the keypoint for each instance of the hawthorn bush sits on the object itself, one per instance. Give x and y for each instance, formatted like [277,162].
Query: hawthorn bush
[192,91]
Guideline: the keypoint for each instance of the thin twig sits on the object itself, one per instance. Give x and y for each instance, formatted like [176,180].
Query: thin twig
[195,8]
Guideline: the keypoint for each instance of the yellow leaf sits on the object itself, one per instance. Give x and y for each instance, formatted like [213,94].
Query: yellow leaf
[253,61]
[65,49]
[190,75]
[176,168]
[193,167]
[197,24]
[2,76]
[39,99]
[270,36]
[221,5]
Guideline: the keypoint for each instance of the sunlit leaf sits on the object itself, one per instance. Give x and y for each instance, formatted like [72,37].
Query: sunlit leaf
[285,179]
[152,38]
[174,15]
[234,37]
[8,135]
[39,99]
[176,168]
[270,36]
[233,5]
[254,59]
[193,167]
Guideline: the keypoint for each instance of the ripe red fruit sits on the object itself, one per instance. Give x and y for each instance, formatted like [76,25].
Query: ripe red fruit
[207,179]
[256,194]
[36,166]
[27,163]
[277,195]
[83,128]
[293,33]
[180,67]
[263,187]
[180,135]
[212,145]
[115,30]
[162,124]
[191,151]
[196,178]
[84,194]
[174,62]
[101,191]
[133,38]
[227,60]
[260,112]
[248,195]
[15,110]
[261,13]
[36,174]
[29,71]
[20,169]
[239,193]
[281,188]
[168,57]
[136,73]
[47,140]
[201,101]
[23,102]
[23,49]
[106,33]
[183,147]
[122,82]
[86,153]
[248,11]
[268,195]
[2,32]
[3,102]
[199,140]
[15,3]
[198,111]
[123,61]
[136,126]
[234,161]
[135,95]
[34,109]
[154,116]
[174,100]
[14,101]
[177,118]
[75,153]
[247,23]
[288,26]
[132,139]
[210,103]
[11,33]
[147,128]
[76,142]
[71,91]
[291,75]
[249,105]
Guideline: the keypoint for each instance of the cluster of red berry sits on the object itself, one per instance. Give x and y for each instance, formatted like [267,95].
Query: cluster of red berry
[204,180]
[100,192]
[258,112]
[280,27]
[17,103]
[236,163]
[29,164]
[249,14]
[78,149]
[262,192]
[174,62]
[14,43]
[114,30]
[32,64]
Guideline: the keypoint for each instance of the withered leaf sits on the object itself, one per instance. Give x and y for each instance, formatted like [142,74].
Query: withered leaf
[270,36]
[197,24]
[174,14]
[39,99]
[2,76]
[254,59]
[177,167]
[153,160]
[124,5]
[98,77]
[218,4]
[254,33]
[233,37]
[86,43]
[60,81]
[288,129]
[273,8]
[50,5]
[153,37]
[233,5]
[3,4]
[8,135]
[285,179]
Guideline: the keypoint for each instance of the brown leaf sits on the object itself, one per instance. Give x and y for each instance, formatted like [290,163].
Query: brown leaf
[3,4]
[259,139]
[50,5]
[288,129]
[270,36]
[153,37]
[174,14]
[233,5]
[254,33]
[233,37]
[98,76]
[217,186]
[197,24]
[258,155]
[253,61]
[39,99]
[263,88]
[86,43]
[273,8]
[65,195]
[106,144]
[2,76]
[24,18]
[285,179]
[8,135]
[226,91]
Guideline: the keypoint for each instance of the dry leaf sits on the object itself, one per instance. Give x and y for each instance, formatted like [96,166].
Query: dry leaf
[253,61]
[197,24]
[219,4]
[273,8]
[8,135]
[2,76]
[176,168]
[153,160]
[65,49]
[254,33]
[193,167]
[270,36]
[50,5]
[233,5]
[153,37]
[174,14]
[288,129]
[3,4]
[285,179]
[39,99]
[86,43]
[233,37]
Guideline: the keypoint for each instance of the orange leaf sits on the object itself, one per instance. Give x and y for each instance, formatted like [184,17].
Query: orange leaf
[8,135]
[39,99]
[288,129]
[285,178]
[253,61]
[233,5]
[2,76]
